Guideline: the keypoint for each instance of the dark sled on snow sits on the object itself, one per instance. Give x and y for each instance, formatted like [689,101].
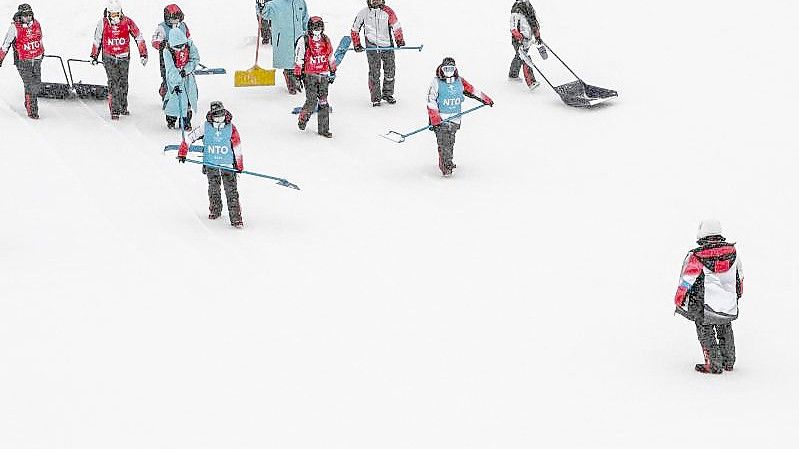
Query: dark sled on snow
[86,91]
[576,93]
[56,91]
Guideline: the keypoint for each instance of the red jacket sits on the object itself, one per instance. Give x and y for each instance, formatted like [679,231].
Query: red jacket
[114,40]
[315,58]
[27,41]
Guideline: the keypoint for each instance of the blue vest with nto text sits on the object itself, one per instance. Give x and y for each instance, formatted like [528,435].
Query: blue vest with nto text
[450,98]
[218,149]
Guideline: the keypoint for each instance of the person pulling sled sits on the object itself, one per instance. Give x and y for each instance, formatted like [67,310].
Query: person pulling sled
[444,107]
[525,30]
[25,37]
[711,283]
[180,59]
[222,147]
[315,65]
[173,18]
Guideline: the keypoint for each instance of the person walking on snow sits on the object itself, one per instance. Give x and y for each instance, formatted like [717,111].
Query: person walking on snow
[314,63]
[112,37]
[25,37]
[381,29]
[289,20]
[445,100]
[711,283]
[266,26]
[173,18]
[524,30]
[223,148]
[180,59]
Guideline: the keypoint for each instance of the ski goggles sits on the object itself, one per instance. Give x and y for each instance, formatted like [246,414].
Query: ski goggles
[115,15]
[448,70]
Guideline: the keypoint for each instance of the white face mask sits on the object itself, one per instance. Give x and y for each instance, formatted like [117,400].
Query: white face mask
[317,33]
[219,122]
[174,22]
[115,18]
[27,20]
[448,70]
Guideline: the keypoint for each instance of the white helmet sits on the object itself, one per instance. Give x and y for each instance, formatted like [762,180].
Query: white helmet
[707,228]
[113,6]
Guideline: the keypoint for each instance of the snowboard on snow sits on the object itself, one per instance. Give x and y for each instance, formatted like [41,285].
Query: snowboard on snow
[338,55]
[576,92]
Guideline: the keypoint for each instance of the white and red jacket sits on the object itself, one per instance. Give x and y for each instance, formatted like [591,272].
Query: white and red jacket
[713,273]
[379,25]
[314,55]
[114,40]
[26,41]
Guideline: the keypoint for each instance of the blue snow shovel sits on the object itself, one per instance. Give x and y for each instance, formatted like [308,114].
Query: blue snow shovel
[398,137]
[389,48]
[280,181]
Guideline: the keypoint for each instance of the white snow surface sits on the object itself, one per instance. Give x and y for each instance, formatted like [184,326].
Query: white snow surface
[525,302]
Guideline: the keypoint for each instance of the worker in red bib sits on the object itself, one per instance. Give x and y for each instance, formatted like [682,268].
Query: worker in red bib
[112,36]
[25,37]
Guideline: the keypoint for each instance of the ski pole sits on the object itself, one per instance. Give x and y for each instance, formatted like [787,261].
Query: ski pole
[390,48]
[280,181]
[401,137]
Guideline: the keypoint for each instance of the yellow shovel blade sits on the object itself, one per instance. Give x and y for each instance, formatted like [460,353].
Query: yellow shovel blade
[255,76]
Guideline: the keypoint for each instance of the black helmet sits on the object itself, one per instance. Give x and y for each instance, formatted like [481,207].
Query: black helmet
[448,61]
[375,3]
[23,10]
[173,12]
[316,23]
[217,109]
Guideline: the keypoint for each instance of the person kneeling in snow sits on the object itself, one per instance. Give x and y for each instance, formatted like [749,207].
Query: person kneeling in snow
[712,283]
[222,148]
[180,59]
[314,62]
[445,100]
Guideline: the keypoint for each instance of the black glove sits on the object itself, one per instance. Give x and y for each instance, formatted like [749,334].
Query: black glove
[182,159]
[299,84]
[177,90]
[332,77]
[183,73]
[358,48]
[162,45]
[94,60]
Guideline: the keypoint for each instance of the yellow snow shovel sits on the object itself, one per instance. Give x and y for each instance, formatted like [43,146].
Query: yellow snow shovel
[255,76]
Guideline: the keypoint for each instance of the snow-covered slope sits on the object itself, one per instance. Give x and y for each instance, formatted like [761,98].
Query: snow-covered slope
[524,302]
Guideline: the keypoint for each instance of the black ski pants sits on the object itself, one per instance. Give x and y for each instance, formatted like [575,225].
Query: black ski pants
[31,73]
[316,89]
[445,136]
[386,61]
[117,71]
[217,178]
[718,344]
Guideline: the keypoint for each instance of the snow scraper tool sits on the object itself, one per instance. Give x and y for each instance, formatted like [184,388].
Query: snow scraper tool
[255,76]
[58,91]
[203,70]
[280,181]
[570,87]
[86,91]
[398,137]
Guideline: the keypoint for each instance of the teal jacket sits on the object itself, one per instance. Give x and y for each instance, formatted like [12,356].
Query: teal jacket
[175,103]
[289,22]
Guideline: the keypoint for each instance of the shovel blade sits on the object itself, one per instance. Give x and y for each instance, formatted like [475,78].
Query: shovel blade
[254,77]
[394,136]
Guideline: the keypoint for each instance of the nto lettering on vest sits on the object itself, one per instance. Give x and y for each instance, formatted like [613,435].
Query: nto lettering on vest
[318,59]
[452,101]
[116,41]
[218,149]
[31,46]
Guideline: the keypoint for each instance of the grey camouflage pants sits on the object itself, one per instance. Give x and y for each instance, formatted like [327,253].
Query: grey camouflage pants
[387,61]
[31,73]
[316,89]
[516,64]
[215,178]
[445,136]
[117,71]
[718,344]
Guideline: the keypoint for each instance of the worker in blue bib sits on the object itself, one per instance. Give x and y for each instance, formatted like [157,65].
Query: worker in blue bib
[222,148]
